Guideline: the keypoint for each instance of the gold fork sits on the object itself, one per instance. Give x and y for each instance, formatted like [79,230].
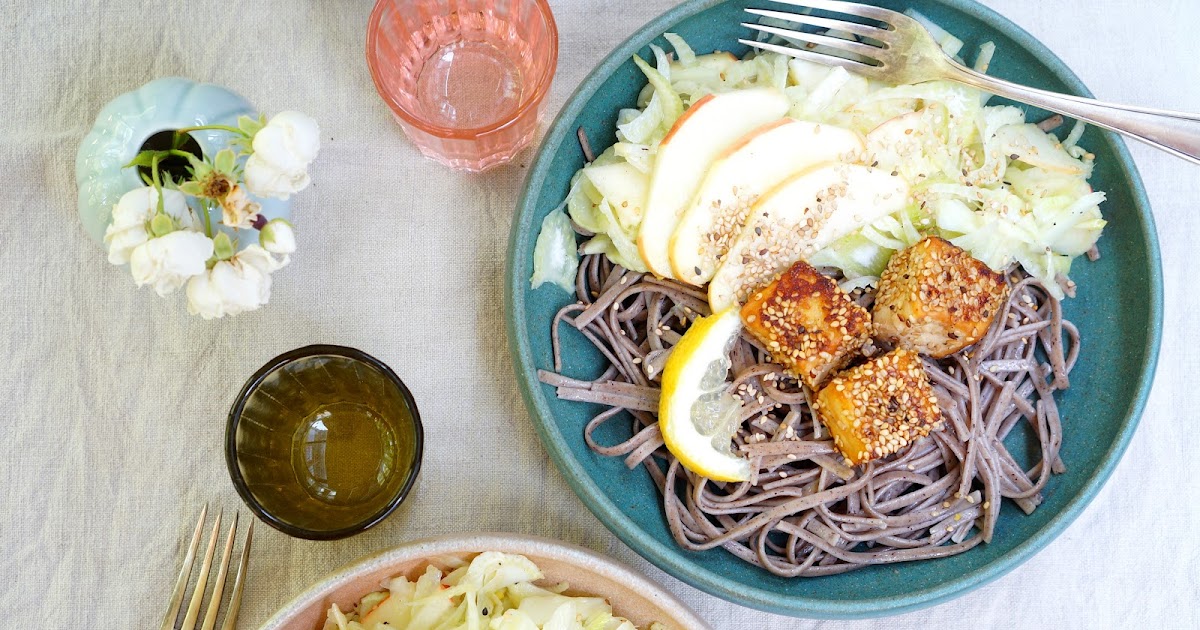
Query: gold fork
[901,50]
[214,602]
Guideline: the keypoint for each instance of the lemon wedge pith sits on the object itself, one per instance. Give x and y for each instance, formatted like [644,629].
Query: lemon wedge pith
[697,414]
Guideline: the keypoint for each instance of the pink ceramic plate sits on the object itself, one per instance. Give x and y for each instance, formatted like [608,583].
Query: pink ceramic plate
[631,594]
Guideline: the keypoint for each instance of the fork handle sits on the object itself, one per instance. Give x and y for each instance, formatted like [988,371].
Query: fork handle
[1177,133]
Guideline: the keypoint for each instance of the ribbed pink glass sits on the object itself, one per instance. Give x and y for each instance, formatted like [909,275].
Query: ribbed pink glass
[466,79]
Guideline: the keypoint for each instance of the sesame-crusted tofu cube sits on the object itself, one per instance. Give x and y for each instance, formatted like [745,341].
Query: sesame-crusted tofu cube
[808,324]
[877,408]
[936,299]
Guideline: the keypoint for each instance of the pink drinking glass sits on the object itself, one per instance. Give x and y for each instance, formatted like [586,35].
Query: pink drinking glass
[466,79]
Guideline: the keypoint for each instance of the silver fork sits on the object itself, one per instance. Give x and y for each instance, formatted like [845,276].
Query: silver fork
[902,51]
[214,602]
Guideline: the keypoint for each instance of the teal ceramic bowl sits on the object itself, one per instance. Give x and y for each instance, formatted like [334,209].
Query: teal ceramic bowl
[1118,310]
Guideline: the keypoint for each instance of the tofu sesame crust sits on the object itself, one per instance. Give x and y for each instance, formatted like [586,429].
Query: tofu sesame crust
[879,407]
[807,323]
[935,299]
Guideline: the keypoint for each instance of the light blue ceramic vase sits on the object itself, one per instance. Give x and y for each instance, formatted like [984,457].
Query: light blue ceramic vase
[125,124]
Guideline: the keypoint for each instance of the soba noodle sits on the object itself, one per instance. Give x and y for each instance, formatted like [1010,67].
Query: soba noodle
[804,512]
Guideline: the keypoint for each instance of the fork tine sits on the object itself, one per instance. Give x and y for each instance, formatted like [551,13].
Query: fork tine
[239,581]
[849,8]
[214,602]
[185,571]
[843,45]
[820,22]
[193,611]
[828,60]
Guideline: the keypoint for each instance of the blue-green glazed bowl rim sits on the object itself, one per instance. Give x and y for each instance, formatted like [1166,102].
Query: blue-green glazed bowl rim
[673,559]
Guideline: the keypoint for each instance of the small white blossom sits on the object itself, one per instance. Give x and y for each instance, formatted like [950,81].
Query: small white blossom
[237,285]
[283,149]
[278,237]
[168,261]
[131,215]
[264,180]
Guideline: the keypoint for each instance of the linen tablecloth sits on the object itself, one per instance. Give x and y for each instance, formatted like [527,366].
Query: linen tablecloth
[113,401]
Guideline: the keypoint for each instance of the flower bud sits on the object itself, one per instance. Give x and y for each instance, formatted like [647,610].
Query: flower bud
[278,237]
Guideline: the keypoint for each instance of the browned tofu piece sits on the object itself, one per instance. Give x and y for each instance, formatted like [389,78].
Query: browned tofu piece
[877,408]
[936,299]
[808,324]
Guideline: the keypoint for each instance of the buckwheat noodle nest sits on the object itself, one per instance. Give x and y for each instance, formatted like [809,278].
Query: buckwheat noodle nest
[804,512]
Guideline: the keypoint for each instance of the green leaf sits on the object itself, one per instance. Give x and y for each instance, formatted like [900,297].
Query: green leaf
[199,167]
[191,188]
[249,126]
[161,224]
[224,160]
[145,158]
[222,246]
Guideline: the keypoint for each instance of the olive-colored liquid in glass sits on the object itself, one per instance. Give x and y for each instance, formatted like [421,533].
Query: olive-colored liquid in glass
[326,442]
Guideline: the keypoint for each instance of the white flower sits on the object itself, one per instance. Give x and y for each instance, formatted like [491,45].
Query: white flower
[283,149]
[289,141]
[237,285]
[278,237]
[265,180]
[169,260]
[131,215]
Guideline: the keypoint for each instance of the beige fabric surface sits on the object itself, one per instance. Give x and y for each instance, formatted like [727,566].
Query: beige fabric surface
[113,401]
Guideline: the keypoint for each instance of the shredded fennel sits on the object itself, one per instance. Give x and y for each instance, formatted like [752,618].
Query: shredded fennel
[555,258]
[980,175]
[495,591]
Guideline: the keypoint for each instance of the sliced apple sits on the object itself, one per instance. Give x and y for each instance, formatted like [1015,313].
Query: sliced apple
[798,217]
[706,129]
[904,143]
[623,186]
[1033,146]
[739,175]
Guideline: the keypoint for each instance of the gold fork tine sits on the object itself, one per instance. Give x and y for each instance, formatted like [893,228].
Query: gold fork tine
[193,611]
[235,602]
[184,572]
[214,602]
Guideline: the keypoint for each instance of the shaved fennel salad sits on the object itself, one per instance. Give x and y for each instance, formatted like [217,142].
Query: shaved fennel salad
[494,591]
[981,176]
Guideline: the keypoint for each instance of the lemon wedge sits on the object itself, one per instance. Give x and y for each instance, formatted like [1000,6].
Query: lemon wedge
[697,414]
